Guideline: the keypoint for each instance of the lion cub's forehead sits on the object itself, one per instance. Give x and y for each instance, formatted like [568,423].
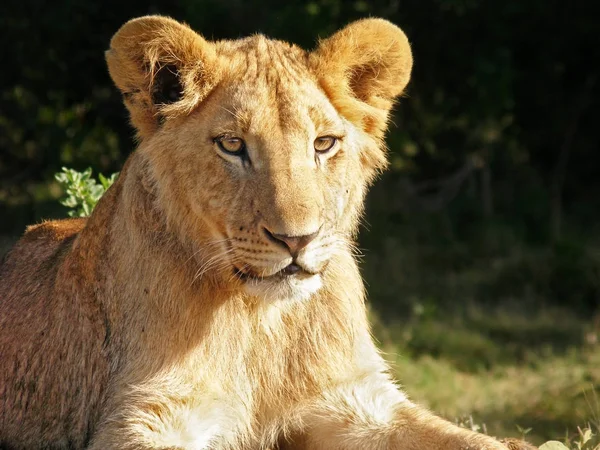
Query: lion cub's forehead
[269,79]
[262,59]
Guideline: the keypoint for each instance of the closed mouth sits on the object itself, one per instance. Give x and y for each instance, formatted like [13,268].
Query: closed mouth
[288,271]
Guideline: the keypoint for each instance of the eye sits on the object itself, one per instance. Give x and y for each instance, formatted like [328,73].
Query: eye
[231,145]
[324,144]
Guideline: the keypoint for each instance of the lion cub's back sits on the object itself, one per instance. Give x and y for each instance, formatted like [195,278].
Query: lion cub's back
[44,352]
[34,259]
[31,265]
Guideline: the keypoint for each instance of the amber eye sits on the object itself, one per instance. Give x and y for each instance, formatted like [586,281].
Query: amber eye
[325,144]
[231,145]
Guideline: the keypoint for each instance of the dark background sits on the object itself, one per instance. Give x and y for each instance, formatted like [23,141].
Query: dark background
[490,213]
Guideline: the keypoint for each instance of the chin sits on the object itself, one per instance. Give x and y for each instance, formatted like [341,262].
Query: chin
[284,288]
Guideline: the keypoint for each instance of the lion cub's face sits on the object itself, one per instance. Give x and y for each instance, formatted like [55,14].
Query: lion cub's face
[258,149]
[273,168]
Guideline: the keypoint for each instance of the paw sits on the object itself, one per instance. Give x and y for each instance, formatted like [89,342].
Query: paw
[517,444]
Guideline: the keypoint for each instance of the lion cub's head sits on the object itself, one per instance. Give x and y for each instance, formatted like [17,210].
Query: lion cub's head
[257,151]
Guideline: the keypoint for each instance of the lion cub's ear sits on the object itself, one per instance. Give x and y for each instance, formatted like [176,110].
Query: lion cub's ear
[363,68]
[163,69]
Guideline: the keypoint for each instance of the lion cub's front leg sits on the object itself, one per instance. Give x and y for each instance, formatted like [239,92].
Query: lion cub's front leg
[179,424]
[374,415]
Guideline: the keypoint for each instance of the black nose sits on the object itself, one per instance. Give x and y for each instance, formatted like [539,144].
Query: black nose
[293,243]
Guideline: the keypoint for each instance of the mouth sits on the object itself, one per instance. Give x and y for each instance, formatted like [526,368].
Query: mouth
[293,282]
[291,270]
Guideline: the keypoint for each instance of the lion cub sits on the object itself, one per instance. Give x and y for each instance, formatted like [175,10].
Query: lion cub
[212,301]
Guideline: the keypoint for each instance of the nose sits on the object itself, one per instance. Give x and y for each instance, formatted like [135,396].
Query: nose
[293,243]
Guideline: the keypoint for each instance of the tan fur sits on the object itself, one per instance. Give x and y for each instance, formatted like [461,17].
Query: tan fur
[133,330]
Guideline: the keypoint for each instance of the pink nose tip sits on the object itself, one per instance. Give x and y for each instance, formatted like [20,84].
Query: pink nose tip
[293,243]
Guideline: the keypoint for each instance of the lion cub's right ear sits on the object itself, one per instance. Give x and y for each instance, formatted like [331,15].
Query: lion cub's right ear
[163,69]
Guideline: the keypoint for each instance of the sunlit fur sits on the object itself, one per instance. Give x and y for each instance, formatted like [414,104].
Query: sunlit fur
[161,321]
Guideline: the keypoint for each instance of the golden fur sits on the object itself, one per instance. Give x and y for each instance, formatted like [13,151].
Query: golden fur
[164,320]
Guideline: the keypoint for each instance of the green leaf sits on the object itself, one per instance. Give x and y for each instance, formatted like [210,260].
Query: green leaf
[553,445]
[61,177]
[82,191]
[107,182]
[70,202]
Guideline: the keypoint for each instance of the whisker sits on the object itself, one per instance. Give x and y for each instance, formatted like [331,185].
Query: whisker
[207,247]
[210,263]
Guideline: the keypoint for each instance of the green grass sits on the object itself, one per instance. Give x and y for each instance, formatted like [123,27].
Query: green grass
[481,322]
[510,375]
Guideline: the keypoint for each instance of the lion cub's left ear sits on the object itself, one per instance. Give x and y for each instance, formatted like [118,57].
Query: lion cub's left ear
[162,67]
[363,68]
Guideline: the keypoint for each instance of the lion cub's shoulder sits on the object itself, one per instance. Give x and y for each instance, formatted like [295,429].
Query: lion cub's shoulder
[42,242]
